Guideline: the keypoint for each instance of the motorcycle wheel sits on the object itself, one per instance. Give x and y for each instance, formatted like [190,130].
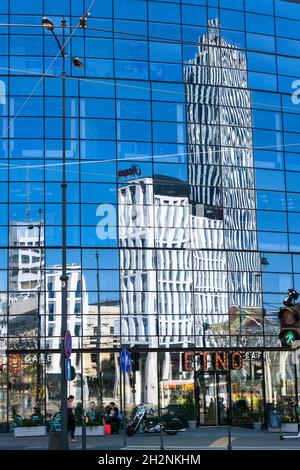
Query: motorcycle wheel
[130,430]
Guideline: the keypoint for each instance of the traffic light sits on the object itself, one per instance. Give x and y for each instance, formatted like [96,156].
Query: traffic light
[289,316]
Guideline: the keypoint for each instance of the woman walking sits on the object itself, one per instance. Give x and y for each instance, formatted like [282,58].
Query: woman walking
[71,418]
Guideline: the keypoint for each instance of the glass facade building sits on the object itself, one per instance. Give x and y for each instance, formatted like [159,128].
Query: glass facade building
[183,204]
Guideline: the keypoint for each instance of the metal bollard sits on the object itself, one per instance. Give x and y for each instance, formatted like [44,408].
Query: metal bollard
[54,442]
[229,446]
[83,438]
[161,438]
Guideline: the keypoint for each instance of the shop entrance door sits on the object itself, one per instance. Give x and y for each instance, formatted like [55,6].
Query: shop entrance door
[212,396]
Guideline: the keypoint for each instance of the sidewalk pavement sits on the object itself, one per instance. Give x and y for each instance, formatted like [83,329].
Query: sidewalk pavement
[201,438]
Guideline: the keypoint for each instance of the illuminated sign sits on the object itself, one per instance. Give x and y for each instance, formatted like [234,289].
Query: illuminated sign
[134,170]
[217,361]
[14,364]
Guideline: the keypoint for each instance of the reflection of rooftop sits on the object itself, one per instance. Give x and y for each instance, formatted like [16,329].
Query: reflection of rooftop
[23,305]
[57,267]
[169,186]
[162,184]
[107,303]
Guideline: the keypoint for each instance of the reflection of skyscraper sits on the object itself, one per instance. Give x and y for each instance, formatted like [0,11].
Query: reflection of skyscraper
[221,176]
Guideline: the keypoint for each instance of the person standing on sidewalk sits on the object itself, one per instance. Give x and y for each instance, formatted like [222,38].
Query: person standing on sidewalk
[71,418]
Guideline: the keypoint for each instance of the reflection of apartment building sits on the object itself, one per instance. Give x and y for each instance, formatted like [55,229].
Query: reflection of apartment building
[77,307]
[26,258]
[108,315]
[26,283]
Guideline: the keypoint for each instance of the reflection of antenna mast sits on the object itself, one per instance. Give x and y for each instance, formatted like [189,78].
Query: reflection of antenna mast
[27,196]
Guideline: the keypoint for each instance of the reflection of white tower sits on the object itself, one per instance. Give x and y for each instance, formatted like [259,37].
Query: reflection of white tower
[77,314]
[221,175]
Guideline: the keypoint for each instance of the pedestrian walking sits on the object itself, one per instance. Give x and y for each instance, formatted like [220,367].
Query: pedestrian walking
[71,418]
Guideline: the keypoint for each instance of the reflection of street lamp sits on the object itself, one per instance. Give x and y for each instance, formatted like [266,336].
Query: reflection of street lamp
[264,261]
[98,339]
[242,316]
[251,401]
[205,328]
[39,227]
[48,24]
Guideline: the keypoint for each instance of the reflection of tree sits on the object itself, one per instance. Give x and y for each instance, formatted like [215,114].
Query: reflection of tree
[107,380]
[243,323]
[247,324]
[247,321]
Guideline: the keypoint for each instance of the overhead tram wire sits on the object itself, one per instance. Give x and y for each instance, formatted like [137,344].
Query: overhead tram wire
[103,81]
[146,157]
[145,37]
[44,74]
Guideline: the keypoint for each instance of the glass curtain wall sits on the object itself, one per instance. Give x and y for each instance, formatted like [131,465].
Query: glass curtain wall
[182,203]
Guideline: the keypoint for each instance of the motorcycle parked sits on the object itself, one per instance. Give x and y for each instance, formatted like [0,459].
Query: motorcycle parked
[149,422]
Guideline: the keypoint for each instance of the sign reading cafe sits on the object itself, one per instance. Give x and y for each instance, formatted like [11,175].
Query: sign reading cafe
[217,361]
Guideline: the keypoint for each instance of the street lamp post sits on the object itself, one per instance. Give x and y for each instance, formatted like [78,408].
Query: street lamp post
[98,340]
[39,227]
[48,24]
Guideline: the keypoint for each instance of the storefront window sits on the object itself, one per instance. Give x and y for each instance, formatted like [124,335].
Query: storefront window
[281,384]
[247,393]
